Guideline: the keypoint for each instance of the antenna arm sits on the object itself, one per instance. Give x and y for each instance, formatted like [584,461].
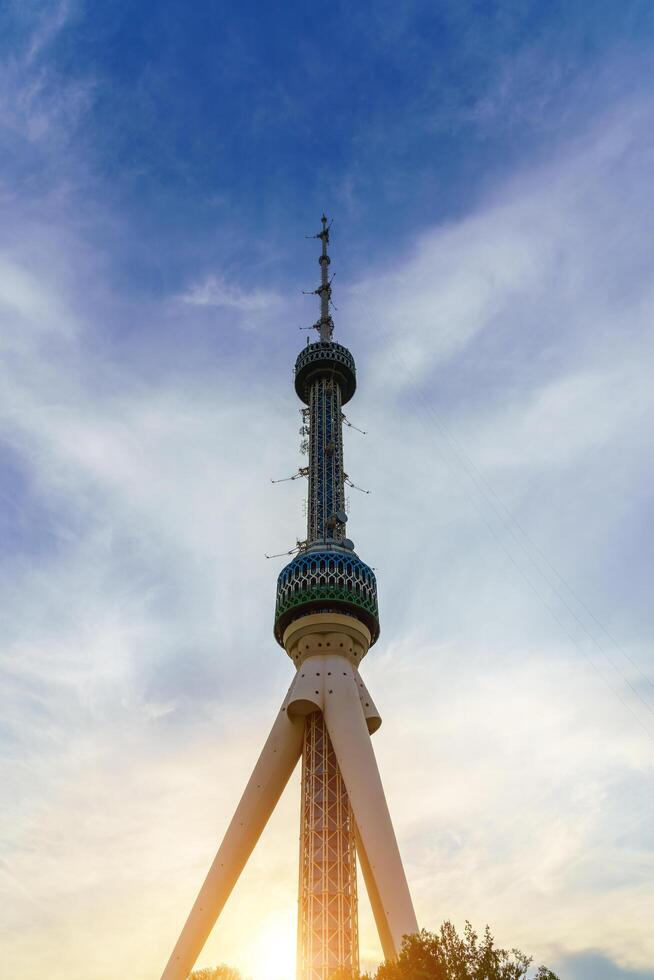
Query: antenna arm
[303,471]
[353,485]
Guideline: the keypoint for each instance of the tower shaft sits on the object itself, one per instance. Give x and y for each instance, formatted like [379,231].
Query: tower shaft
[326,490]
[327,902]
[328,937]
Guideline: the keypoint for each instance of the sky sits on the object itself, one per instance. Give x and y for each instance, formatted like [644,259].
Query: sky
[488,167]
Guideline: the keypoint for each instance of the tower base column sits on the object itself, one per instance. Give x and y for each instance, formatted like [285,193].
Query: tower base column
[327,910]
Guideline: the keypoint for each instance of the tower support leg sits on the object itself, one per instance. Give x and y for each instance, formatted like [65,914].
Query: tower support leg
[381,922]
[271,774]
[381,861]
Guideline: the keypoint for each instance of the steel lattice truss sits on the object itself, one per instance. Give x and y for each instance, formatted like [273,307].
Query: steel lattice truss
[327,911]
[326,491]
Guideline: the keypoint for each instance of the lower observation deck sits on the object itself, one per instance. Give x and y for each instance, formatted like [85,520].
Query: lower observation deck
[330,580]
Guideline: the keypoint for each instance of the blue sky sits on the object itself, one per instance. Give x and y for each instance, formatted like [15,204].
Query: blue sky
[488,167]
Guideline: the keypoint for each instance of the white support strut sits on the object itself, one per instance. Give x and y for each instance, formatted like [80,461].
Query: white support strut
[381,861]
[274,767]
[385,937]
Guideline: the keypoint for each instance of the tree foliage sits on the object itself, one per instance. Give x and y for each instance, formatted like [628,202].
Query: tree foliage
[216,973]
[446,955]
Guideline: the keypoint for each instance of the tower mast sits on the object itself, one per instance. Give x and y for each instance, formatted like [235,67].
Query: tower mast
[328,937]
[326,605]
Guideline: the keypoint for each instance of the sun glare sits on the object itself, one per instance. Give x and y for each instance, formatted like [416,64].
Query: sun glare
[273,951]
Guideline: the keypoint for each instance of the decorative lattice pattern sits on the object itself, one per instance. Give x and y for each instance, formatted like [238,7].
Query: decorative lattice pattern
[326,581]
[326,488]
[325,359]
[327,913]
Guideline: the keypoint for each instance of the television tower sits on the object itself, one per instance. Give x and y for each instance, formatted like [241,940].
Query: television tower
[326,618]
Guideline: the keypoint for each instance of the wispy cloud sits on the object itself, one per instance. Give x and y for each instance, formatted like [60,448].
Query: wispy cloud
[215,290]
[48,26]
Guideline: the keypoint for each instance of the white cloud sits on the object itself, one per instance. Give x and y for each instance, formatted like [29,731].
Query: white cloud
[565,419]
[557,253]
[28,300]
[48,26]
[214,290]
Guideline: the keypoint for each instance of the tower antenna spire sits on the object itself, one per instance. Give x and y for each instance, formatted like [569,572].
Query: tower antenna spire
[325,325]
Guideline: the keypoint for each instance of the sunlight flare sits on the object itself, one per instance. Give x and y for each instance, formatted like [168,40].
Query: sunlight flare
[273,951]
